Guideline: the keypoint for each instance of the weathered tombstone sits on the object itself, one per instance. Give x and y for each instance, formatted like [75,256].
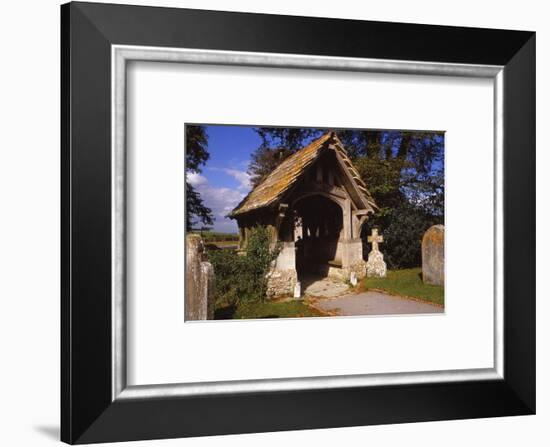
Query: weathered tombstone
[433,256]
[199,282]
[376,267]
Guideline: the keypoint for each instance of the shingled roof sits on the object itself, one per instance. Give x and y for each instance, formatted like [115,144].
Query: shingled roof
[282,178]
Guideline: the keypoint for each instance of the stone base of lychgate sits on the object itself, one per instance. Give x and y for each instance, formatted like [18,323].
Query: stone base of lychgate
[199,281]
[281,283]
[359,269]
[282,279]
[351,254]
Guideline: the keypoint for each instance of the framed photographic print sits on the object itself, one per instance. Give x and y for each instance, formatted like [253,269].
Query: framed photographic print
[275,223]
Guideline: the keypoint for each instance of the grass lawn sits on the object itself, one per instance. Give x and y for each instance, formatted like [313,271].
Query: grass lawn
[406,282]
[267,309]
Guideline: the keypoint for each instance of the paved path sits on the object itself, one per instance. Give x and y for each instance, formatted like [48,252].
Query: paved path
[374,303]
[324,287]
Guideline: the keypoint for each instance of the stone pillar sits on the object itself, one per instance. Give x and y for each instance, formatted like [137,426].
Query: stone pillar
[287,257]
[351,254]
[199,281]
[283,278]
[350,251]
[433,256]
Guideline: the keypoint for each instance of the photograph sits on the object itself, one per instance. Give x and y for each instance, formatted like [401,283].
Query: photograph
[289,222]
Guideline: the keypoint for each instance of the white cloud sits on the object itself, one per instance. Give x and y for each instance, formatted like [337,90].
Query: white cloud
[241,176]
[221,201]
[195,179]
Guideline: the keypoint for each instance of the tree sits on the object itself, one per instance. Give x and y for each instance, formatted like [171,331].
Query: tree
[277,144]
[196,211]
[403,171]
[196,154]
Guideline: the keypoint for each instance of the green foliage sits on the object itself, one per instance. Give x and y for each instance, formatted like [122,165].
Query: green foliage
[384,179]
[291,138]
[407,186]
[407,283]
[242,278]
[195,209]
[196,147]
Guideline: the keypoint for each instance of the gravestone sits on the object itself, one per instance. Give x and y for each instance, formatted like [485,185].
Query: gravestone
[199,281]
[433,256]
[376,267]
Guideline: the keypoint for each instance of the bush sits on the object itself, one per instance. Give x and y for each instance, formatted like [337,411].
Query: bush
[242,278]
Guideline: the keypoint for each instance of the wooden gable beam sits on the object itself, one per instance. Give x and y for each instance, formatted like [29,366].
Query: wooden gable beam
[349,171]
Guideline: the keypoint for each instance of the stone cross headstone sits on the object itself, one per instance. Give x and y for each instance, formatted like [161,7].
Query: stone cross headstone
[376,267]
[375,239]
[433,255]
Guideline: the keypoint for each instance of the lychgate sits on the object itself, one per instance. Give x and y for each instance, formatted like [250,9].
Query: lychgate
[315,204]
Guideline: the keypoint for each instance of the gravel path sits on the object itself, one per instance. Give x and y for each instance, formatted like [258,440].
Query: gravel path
[374,303]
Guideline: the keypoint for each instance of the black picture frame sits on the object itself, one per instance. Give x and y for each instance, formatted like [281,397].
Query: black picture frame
[88,412]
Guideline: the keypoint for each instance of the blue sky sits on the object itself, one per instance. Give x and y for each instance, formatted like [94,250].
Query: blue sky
[223,182]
